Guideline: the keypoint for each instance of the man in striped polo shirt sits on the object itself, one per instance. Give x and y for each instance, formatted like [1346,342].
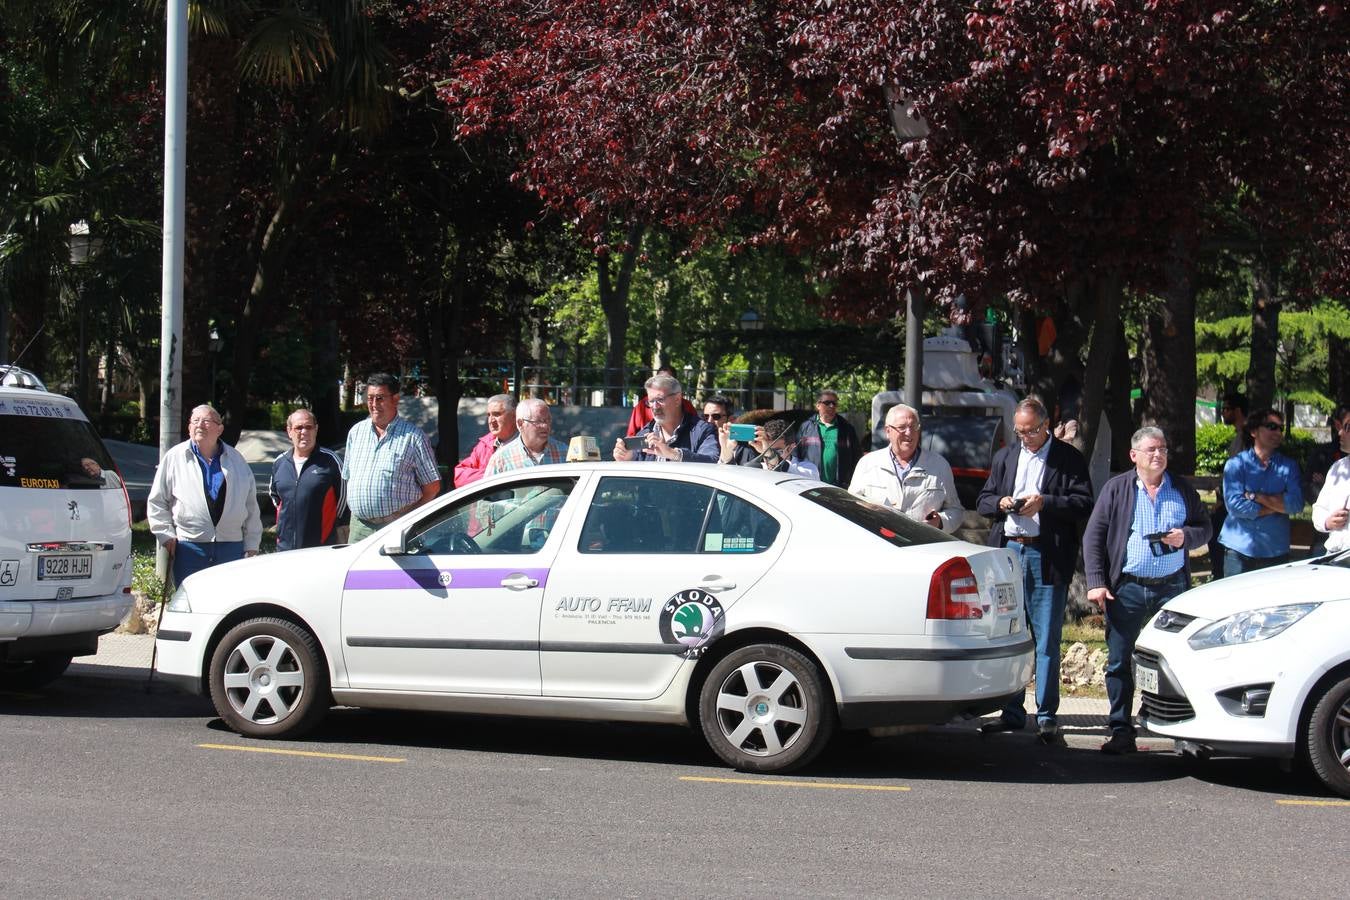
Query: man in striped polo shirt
[389,466]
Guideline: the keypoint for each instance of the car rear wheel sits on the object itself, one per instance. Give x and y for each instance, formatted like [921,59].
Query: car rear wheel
[27,674]
[267,679]
[766,708]
[1328,737]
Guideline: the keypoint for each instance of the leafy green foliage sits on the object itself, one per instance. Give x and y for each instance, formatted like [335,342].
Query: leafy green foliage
[1211,448]
[1303,356]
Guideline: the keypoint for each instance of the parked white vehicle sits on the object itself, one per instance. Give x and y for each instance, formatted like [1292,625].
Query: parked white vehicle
[763,608]
[1257,665]
[65,533]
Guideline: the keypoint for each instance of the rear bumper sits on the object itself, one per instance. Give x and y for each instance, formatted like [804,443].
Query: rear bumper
[30,622]
[924,712]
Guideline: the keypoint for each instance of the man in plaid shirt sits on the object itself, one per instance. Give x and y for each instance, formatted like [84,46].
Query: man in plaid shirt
[389,467]
[533,446]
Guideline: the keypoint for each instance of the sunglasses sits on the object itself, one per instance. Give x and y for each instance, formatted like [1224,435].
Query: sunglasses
[828,402]
[1273,426]
[714,417]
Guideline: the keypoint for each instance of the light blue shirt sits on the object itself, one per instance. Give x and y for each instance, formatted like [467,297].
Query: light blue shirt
[1245,530]
[1152,517]
[385,474]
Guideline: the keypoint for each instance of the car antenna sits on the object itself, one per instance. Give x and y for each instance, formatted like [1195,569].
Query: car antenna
[6,367]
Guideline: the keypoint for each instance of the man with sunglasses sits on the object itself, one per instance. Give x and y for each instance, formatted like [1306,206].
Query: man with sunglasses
[717,410]
[1262,488]
[828,441]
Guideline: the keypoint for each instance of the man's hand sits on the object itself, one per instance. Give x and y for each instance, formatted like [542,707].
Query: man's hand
[933,518]
[1035,503]
[170,544]
[250,553]
[656,443]
[1272,502]
[1337,520]
[1175,538]
[621,452]
[1099,596]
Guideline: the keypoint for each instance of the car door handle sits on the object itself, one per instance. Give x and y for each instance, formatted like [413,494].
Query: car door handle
[717,584]
[520,582]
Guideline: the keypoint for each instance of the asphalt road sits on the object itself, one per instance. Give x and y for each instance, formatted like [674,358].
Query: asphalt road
[113,791]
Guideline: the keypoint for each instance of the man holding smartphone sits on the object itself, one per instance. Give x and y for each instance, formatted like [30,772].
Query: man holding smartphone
[1037,495]
[1331,512]
[671,435]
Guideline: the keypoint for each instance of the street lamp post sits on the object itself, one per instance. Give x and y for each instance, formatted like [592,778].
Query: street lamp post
[910,126]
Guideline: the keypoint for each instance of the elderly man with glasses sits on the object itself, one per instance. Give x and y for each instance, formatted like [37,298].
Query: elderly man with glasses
[388,466]
[1038,495]
[1135,553]
[533,446]
[1262,488]
[914,481]
[203,504]
[828,441]
[671,435]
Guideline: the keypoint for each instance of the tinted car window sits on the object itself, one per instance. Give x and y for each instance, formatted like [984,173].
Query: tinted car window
[646,515]
[882,521]
[738,527]
[48,452]
[516,519]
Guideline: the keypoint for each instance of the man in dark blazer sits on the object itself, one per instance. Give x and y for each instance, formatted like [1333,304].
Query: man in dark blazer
[1038,494]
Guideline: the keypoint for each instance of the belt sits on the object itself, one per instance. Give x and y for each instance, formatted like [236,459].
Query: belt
[378,520]
[1026,540]
[1152,582]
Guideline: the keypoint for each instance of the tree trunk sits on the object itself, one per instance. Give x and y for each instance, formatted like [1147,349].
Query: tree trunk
[614,286]
[1109,299]
[1265,338]
[1118,411]
[1168,383]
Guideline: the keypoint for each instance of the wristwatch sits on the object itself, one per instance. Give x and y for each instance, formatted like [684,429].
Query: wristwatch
[1250,495]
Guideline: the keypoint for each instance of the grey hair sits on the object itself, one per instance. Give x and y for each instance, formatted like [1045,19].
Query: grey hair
[207,406]
[527,408]
[664,383]
[1031,404]
[1143,434]
[892,413]
[302,410]
[507,401]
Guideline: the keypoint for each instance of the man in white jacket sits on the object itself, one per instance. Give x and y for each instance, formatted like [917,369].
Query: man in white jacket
[1331,512]
[203,505]
[914,481]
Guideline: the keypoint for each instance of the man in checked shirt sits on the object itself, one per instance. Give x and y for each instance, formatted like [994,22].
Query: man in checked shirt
[389,466]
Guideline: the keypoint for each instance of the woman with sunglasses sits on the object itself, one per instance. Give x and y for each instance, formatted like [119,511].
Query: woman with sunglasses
[1262,488]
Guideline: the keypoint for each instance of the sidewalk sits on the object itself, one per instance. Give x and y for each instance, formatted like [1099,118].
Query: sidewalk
[1081,719]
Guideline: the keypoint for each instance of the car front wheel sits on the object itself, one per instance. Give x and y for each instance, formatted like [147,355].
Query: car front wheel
[267,679]
[766,708]
[1328,737]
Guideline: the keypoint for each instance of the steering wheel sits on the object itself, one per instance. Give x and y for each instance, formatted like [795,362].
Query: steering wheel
[462,543]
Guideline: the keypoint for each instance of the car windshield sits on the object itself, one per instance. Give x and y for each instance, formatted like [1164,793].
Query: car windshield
[884,522]
[37,451]
[1340,560]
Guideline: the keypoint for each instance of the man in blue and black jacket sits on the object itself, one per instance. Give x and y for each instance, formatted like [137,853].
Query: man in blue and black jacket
[307,488]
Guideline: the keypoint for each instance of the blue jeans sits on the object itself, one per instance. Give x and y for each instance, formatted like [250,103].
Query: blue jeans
[190,557]
[1235,563]
[1134,604]
[1044,605]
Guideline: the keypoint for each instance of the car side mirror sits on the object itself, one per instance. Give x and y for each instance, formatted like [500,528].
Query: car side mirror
[393,545]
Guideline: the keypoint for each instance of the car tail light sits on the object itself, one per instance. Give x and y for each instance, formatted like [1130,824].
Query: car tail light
[126,497]
[953,592]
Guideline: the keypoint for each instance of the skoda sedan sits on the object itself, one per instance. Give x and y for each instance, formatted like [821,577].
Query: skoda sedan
[1257,665]
[765,610]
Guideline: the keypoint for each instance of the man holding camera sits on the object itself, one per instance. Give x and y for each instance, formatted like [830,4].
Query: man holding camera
[1037,495]
[1135,551]
[672,435]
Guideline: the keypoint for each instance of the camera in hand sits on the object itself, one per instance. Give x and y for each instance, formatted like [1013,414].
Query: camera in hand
[1018,504]
[636,442]
[1156,545]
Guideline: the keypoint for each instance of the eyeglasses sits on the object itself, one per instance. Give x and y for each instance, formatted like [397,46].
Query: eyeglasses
[714,417]
[1151,451]
[903,428]
[379,398]
[304,427]
[204,421]
[1273,426]
[1028,432]
[658,400]
[827,402]
[537,423]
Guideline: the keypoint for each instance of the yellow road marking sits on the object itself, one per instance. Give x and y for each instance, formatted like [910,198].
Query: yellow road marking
[1313,802]
[827,785]
[352,756]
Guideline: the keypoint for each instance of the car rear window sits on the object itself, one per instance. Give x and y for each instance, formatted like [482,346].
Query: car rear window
[882,521]
[43,452]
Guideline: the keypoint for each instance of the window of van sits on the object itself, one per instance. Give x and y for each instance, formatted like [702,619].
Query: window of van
[42,452]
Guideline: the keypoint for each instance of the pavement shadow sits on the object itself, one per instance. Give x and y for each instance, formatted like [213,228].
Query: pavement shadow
[108,692]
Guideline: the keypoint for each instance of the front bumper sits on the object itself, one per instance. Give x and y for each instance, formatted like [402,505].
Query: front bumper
[180,649]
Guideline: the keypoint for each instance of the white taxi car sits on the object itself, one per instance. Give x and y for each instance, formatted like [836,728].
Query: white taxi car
[65,533]
[765,609]
[1257,665]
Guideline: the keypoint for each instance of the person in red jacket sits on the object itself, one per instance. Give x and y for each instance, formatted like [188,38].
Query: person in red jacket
[642,410]
[501,423]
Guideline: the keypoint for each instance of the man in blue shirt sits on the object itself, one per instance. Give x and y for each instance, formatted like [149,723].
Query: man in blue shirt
[1135,554]
[1262,488]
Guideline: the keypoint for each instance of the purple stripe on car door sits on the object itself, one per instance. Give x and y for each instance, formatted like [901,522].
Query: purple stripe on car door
[430,579]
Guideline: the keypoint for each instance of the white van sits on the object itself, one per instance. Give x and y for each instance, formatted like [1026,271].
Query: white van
[65,534]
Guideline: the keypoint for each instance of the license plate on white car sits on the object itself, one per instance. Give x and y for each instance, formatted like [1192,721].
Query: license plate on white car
[65,566]
[1146,679]
[1005,595]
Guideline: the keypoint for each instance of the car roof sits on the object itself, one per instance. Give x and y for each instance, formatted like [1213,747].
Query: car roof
[746,476]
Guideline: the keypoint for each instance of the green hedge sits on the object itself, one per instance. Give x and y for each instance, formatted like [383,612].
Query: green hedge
[1211,447]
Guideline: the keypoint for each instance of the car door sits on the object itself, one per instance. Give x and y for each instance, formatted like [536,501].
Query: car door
[458,609]
[646,574]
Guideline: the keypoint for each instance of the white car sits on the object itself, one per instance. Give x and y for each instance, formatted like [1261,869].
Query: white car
[765,609]
[65,533]
[1257,665]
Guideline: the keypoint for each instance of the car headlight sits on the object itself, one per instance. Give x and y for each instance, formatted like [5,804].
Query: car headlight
[1252,625]
[179,602]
